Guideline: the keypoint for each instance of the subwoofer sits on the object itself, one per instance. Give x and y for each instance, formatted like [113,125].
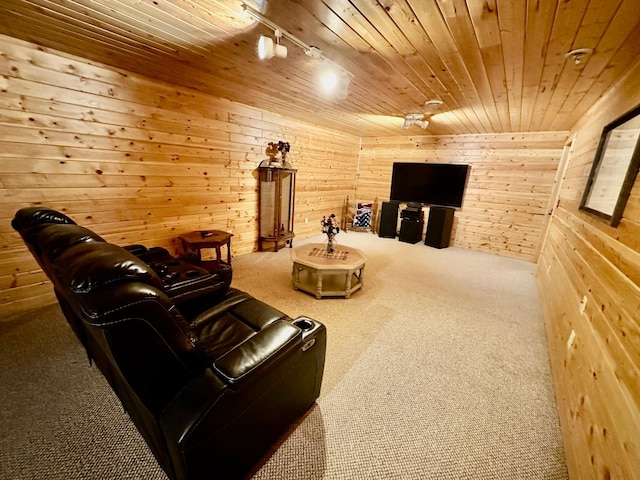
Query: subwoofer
[411,231]
[439,227]
[389,220]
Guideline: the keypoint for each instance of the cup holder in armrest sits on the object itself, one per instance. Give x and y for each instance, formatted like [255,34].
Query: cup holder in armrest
[303,324]
[313,333]
[160,268]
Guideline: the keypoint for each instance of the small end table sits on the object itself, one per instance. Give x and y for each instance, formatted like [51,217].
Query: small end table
[194,242]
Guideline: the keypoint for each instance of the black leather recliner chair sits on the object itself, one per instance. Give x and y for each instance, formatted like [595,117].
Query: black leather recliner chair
[210,376]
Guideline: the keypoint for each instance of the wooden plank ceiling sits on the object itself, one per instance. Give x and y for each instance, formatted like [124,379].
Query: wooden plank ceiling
[498,65]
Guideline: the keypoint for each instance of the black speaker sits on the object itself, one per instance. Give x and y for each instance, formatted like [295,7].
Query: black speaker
[411,231]
[439,227]
[389,220]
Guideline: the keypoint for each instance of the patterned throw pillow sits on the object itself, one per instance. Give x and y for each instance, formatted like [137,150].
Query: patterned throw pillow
[362,218]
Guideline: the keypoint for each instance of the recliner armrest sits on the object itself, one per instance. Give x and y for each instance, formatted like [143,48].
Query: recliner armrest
[183,415]
[188,407]
[261,350]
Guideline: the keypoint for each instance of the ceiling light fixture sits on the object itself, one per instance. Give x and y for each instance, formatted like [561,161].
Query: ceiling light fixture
[334,81]
[342,89]
[267,49]
[329,80]
[415,119]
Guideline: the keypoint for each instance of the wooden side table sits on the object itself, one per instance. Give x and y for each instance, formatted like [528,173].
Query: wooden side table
[194,242]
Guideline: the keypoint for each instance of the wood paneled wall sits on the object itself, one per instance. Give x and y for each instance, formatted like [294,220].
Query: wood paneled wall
[597,372]
[139,161]
[506,200]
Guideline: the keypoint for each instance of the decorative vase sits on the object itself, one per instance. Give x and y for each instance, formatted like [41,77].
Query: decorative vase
[330,227]
[331,243]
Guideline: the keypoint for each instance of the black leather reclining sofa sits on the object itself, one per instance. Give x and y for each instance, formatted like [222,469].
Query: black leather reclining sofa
[211,376]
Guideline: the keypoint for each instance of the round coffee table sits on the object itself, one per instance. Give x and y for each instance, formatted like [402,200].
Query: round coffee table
[327,275]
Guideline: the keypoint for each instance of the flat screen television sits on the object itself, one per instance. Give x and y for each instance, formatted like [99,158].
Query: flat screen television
[440,184]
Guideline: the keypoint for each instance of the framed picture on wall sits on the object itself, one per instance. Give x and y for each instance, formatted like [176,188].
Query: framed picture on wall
[614,168]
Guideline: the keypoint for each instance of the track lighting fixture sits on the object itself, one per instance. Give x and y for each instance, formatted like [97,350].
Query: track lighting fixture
[267,49]
[415,119]
[338,81]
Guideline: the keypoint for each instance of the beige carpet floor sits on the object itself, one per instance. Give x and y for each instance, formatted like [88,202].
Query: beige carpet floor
[436,369]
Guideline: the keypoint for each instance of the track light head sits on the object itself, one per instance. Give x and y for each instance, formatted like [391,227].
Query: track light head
[268,49]
[334,81]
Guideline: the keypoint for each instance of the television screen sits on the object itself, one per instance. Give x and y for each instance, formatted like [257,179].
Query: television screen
[440,184]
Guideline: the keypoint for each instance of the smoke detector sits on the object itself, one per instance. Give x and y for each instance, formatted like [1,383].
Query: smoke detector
[579,55]
[433,104]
